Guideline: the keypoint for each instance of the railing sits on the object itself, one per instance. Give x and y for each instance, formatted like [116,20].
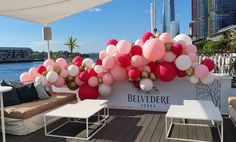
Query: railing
[221,60]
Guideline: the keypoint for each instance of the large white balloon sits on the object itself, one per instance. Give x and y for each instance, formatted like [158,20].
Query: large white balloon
[183,62]
[208,80]
[146,84]
[41,80]
[52,76]
[193,79]
[104,90]
[111,49]
[88,62]
[73,70]
[98,69]
[183,37]
[169,57]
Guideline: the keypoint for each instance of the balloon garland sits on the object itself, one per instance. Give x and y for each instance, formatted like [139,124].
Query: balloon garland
[148,59]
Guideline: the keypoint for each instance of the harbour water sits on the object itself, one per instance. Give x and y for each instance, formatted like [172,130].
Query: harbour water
[12,71]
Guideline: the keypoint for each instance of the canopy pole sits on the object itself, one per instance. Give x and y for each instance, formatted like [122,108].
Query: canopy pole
[47,35]
[49,57]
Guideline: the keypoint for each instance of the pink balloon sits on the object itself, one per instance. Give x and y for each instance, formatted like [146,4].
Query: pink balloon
[139,42]
[107,78]
[193,56]
[145,61]
[100,75]
[137,61]
[141,68]
[25,77]
[63,73]
[153,49]
[165,37]
[123,47]
[60,82]
[190,48]
[93,81]
[49,62]
[61,62]
[78,81]
[108,62]
[119,73]
[201,71]
[33,72]
[103,54]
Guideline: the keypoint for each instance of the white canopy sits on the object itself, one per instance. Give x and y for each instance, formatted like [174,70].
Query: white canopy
[45,11]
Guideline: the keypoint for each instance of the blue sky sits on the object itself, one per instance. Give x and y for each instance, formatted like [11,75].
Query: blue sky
[119,19]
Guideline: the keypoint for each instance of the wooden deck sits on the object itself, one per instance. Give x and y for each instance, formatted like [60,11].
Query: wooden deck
[131,125]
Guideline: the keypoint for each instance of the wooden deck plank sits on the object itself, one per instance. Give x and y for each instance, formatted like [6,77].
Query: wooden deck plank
[192,130]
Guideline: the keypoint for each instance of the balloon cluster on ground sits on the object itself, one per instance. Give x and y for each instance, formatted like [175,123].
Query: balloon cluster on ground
[148,59]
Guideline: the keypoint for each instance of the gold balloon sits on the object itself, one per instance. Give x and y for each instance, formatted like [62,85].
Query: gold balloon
[153,76]
[157,35]
[100,81]
[189,72]
[86,68]
[57,69]
[44,73]
[72,86]
[70,79]
[168,46]
[145,74]
[83,65]
[81,68]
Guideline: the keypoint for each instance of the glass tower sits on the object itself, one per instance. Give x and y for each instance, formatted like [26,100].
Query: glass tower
[169,24]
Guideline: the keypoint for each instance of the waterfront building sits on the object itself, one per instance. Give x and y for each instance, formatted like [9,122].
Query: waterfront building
[209,16]
[169,24]
[13,54]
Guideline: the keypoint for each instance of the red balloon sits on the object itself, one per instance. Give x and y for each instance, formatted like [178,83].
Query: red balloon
[99,62]
[84,76]
[87,92]
[209,63]
[136,85]
[177,48]
[147,36]
[166,71]
[112,41]
[136,50]
[124,60]
[41,69]
[152,66]
[181,74]
[134,73]
[77,59]
[91,72]
[78,64]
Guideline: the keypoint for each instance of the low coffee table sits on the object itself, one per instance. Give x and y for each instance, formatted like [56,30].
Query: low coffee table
[195,110]
[81,110]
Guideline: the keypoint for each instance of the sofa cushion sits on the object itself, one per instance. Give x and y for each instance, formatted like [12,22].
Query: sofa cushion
[232,101]
[10,98]
[27,93]
[42,94]
[30,109]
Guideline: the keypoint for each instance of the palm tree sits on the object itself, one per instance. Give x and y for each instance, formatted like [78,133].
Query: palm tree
[71,43]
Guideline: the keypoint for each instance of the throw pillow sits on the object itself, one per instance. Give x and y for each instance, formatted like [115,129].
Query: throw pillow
[27,93]
[42,94]
[11,97]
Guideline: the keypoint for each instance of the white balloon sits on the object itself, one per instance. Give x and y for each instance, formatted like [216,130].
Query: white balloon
[184,38]
[104,90]
[193,79]
[183,62]
[73,70]
[52,76]
[208,80]
[98,69]
[169,56]
[41,80]
[88,62]
[63,73]
[139,42]
[111,49]
[146,84]
[49,68]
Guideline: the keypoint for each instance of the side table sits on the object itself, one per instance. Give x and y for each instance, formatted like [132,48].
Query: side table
[3,89]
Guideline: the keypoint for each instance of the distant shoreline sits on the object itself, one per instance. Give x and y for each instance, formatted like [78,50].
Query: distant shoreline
[15,61]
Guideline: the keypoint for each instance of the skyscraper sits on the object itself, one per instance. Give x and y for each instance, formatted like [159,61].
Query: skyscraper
[169,24]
